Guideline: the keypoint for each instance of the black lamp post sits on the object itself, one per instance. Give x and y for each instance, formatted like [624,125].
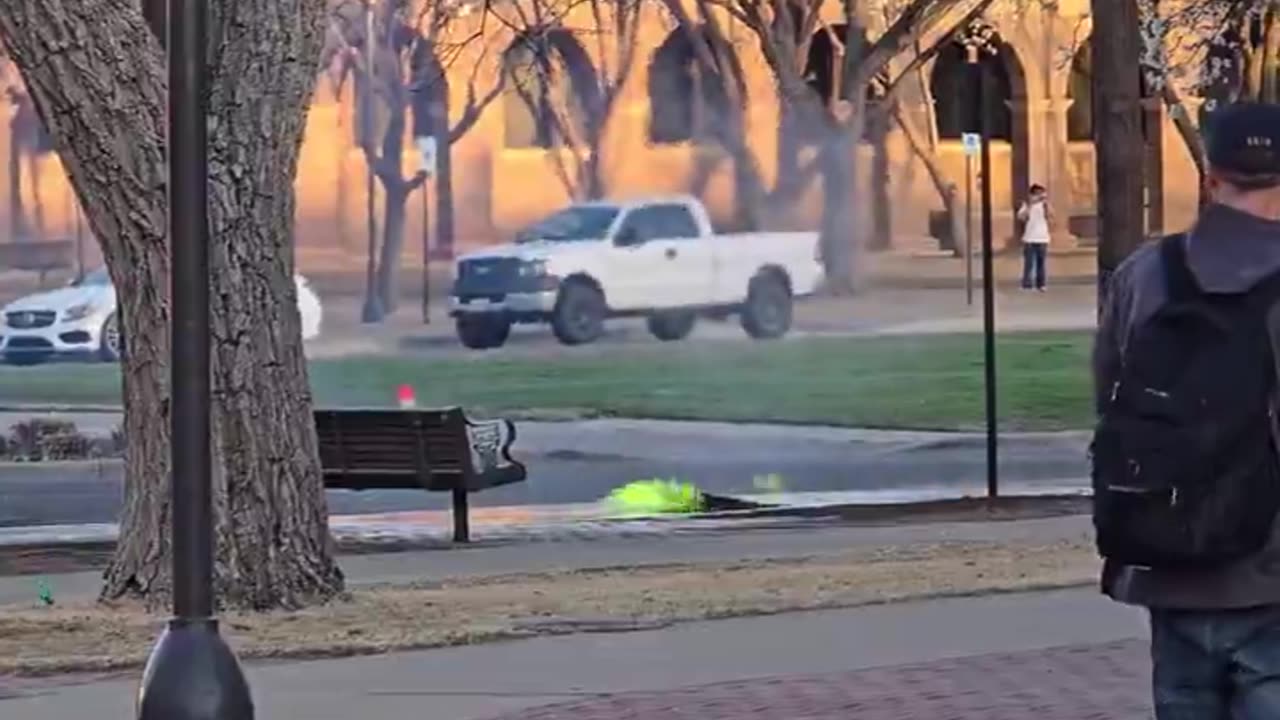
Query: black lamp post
[192,673]
[980,42]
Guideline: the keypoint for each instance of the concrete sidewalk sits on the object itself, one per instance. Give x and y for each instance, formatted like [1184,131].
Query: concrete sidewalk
[1056,656]
[679,542]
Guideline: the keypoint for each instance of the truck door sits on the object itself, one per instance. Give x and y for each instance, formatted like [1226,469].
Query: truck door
[671,266]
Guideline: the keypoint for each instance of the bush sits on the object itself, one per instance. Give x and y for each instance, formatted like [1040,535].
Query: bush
[43,440]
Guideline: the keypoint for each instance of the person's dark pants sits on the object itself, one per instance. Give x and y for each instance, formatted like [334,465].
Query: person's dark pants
[1216,665]
[1033,259]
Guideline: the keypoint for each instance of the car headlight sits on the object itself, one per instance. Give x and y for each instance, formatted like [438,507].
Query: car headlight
[533,268]
[78,312]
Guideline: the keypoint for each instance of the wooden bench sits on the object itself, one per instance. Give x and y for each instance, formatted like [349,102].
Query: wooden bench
[432,450]
[39,256]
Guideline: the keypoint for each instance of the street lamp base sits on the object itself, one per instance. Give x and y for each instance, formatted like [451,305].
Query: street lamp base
[193,675]
[372,311]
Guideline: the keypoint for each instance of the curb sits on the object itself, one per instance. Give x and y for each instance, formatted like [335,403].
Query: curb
[103,535]
[929,438]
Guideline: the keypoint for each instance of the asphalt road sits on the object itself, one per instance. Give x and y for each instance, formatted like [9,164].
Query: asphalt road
[580,462]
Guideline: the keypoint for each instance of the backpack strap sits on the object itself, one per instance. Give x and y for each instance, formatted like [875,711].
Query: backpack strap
[1180,283]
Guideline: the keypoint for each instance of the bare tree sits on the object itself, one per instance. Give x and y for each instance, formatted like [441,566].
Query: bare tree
[1218,50]
[569,96]
[97,75]
[399,58]
[870,73]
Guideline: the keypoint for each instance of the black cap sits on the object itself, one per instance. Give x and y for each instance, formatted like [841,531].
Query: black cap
[1244,140]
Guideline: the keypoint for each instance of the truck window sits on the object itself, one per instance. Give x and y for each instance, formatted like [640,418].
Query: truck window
[582,222]
[662,222]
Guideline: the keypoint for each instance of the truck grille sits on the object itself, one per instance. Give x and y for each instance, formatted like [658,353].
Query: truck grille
[29,319]
[489,276]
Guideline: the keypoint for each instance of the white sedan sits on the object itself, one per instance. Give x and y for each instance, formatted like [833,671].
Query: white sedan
[80,320]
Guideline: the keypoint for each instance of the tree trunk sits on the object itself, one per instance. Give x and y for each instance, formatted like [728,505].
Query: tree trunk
[397,200]
[947,190]
[1117,48]
[881,205]
[98,74]
[17,228]
[444,195]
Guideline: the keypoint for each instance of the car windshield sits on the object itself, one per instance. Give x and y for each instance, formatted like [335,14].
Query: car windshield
[96,278]
[584,222]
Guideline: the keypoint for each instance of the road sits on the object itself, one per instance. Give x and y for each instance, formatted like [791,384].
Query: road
[581,461]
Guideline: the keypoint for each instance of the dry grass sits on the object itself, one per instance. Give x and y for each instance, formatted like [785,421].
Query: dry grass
[376,620]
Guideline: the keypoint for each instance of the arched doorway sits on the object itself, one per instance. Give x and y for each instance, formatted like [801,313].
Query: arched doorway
[552,96]
[1080,129]
[954,91]
[686,102]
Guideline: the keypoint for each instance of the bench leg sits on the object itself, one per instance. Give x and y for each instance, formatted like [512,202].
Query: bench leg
[461,518]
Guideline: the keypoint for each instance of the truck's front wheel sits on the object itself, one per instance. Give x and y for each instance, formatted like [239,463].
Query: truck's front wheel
[483,332]
[767,313]
[579,314]
[672,326]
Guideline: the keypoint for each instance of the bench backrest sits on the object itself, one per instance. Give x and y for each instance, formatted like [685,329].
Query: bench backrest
[428,449]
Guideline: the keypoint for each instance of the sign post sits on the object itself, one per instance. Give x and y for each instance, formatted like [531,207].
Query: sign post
[427,166]
[972,148]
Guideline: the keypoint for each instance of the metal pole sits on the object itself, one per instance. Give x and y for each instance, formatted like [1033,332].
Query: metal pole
[426,251]
[373,311]
[192,674]
[968,228]
[189,369]
[988,287]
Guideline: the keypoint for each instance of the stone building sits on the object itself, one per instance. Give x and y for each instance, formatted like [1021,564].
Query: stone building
[504,168]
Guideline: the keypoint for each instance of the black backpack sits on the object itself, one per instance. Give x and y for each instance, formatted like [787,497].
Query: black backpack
[1185,469]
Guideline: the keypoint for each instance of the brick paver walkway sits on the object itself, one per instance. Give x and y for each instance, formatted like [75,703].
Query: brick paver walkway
[1093,682]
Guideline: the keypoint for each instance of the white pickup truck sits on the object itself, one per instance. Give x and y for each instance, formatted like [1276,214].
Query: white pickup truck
[656,258]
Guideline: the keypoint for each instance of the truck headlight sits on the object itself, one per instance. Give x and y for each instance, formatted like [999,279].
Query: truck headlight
[78,312]
[533,269]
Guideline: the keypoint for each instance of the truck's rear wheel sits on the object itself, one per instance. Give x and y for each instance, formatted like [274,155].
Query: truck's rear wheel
[483,332]
[672,326]
[767,313]
[579,315]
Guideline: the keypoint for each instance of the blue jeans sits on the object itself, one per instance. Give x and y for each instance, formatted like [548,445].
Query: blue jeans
[1033,257]
[1216,665]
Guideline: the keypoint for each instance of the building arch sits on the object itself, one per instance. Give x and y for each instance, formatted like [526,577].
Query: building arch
[687,103]
[823,74]
[552,94]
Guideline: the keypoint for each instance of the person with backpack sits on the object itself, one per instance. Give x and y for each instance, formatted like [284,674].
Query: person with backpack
[1185,466]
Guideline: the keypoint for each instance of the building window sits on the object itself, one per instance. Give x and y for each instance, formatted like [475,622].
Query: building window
[551,91]
[954,86]
[687,103]
[823,73]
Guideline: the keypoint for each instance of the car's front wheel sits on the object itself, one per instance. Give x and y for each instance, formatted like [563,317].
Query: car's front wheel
[483,332]
[110,341]
[579,315]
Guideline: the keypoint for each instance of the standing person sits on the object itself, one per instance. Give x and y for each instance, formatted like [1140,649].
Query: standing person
[1035,215]
[1186,474]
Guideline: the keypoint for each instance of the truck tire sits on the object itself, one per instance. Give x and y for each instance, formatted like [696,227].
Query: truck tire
[672,326]
[483,332]
[767,313]
[578,318]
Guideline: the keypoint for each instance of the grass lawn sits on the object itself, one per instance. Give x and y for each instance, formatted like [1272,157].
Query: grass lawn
[907,382]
